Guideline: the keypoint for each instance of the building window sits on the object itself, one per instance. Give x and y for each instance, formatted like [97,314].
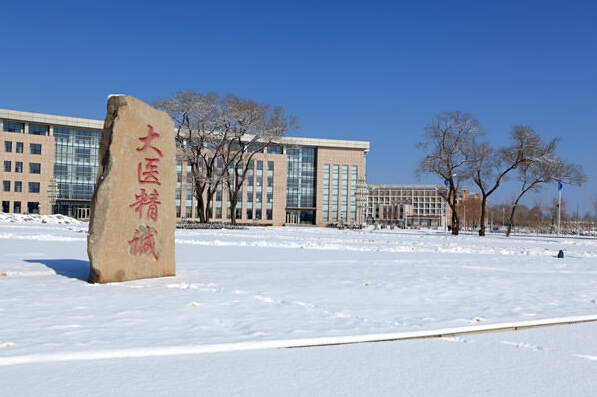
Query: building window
[6,186]
[326,193]
[34,168]
[19,148]
[7,166]
[344,202]
[274,149]
[14,127]
[33,207]
[35,148]
[353,190]
[8,146]
[38,129]
[269,211]
[335,184]
[33,187]
[18,186]
[18,166]
[5,206]
[17,207]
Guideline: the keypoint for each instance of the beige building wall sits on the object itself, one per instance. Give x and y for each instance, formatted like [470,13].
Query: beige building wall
[26,162]
[340,157]
[220,211]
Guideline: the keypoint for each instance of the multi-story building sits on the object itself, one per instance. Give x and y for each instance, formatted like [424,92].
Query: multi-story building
[420,206]
[42,155]
[407,206]
[50,166]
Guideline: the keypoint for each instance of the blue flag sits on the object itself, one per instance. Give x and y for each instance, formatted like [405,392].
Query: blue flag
[560,186]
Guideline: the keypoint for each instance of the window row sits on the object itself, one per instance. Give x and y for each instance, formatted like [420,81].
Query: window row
[33,187]
[34,168]
[34,148]
[32,207]
[19,128]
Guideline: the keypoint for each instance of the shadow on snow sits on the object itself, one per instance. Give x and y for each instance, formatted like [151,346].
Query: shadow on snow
[72,268]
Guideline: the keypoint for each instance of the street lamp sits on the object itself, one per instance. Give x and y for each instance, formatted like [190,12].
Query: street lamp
[362,196]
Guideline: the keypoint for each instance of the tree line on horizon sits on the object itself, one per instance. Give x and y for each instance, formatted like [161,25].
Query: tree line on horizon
[535,218]
[454,149]
[218,136]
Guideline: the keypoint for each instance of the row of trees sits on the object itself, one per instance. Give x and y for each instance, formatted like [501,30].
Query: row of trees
[537,218]
[218,137]
[455,150]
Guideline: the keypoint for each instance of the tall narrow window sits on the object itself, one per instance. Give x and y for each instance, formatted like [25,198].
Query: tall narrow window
[353,190]
[326,193]
[269,215]
[345,193]
[335,184]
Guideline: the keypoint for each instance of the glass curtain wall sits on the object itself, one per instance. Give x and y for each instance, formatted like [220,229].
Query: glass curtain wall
[75,169]
[300,197]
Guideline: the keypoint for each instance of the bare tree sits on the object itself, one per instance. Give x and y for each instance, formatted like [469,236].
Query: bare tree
[540,165]
[447,149]
[255,127]
[214,135]
[199,124]
[488,167]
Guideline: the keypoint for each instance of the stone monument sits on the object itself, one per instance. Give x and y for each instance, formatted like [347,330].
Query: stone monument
[133,218]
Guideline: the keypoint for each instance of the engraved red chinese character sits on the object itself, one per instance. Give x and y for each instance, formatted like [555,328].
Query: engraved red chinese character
[150,201]
[151,135]
[151,173]
[143,242]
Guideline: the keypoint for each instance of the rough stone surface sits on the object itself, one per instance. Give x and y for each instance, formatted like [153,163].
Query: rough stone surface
[133,218]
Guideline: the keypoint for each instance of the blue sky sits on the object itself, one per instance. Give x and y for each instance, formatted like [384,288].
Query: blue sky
[378,70]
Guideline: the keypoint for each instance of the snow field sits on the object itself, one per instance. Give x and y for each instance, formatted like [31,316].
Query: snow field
[238,292]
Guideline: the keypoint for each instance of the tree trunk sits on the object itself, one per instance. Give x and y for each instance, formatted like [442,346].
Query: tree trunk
[233,201]
[511,220]
[482,226]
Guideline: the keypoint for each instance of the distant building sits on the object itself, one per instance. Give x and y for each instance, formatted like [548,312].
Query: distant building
[49,166]
[407,206]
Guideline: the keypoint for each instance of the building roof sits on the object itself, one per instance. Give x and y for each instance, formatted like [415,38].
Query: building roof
[51,119]
[406,186]
[335,143]
[99,125]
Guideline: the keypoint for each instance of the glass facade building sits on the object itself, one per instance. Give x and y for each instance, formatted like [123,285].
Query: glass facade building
[50,165]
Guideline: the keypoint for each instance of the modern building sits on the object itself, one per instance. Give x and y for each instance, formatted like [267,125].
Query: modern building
[422,206]
[407,206]
[50,166]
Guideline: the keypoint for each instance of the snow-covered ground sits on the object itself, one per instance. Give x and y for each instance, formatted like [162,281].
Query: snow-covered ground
[240,297]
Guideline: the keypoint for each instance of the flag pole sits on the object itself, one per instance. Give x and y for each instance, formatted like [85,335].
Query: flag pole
[559,205]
